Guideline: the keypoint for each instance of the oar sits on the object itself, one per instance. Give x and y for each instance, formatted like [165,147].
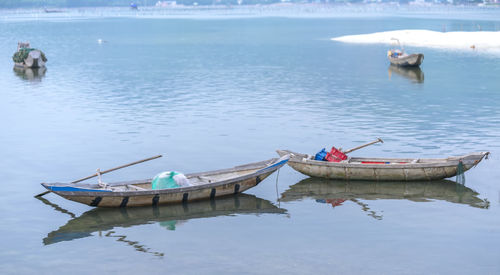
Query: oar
[362,146]
[106,171]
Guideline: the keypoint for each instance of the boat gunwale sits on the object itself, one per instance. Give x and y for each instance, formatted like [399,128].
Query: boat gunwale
[411,60]
[404,57]
[474,158]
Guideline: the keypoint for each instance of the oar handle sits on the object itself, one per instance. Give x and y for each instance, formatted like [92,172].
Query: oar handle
[106,171]
[116,168]
[364,145]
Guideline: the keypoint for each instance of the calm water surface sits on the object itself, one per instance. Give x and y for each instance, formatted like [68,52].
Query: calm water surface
[214,93]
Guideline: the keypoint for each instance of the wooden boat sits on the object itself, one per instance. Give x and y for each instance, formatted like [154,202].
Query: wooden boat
[399,57]
[383,169]
[205,185]
[34,58]
[406,60]
[105,219]
[325,190]
[52,11]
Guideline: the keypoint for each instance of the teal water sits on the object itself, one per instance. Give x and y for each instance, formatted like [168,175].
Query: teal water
[215,93]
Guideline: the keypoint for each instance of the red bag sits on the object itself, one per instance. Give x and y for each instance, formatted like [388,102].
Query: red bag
[335,155]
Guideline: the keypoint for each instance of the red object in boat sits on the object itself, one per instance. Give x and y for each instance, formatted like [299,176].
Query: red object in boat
[335,155]
[380,162]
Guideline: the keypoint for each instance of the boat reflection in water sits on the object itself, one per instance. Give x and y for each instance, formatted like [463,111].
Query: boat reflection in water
[336,192]
[415,74]
[31,74]
[168,216]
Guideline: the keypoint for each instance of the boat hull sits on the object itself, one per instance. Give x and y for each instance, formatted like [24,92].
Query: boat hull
[34,60]
[412,60]
[396,171]
[141,199]
[104,198]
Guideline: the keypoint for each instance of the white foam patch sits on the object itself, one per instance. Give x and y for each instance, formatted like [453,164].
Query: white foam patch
[483,41]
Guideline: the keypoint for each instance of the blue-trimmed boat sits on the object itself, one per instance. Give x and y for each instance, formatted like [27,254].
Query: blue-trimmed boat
[205,185]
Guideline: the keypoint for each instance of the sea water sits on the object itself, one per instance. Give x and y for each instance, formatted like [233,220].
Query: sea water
[212,92]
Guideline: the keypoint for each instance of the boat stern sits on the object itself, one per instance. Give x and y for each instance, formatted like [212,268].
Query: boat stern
[282,153]
[420,59]
[277,163]
[292,155]
[471,160]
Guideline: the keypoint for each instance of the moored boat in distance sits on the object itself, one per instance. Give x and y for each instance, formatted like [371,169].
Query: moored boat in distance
[204,185]
[52,10]
[399,57]
[405,60]
[26,57]
[383,169]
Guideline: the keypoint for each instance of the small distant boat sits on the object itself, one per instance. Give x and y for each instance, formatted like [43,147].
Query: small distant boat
[383,169]
[134,6]
[399,57]
[205,185]
[405,60]
[52,11]
[26,57]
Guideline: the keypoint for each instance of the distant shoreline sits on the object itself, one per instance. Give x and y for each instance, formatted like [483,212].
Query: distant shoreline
[292,10]
[486,42]
[220,5]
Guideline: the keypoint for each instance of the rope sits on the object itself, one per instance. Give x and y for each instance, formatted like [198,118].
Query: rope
[277,193]
[460,179]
